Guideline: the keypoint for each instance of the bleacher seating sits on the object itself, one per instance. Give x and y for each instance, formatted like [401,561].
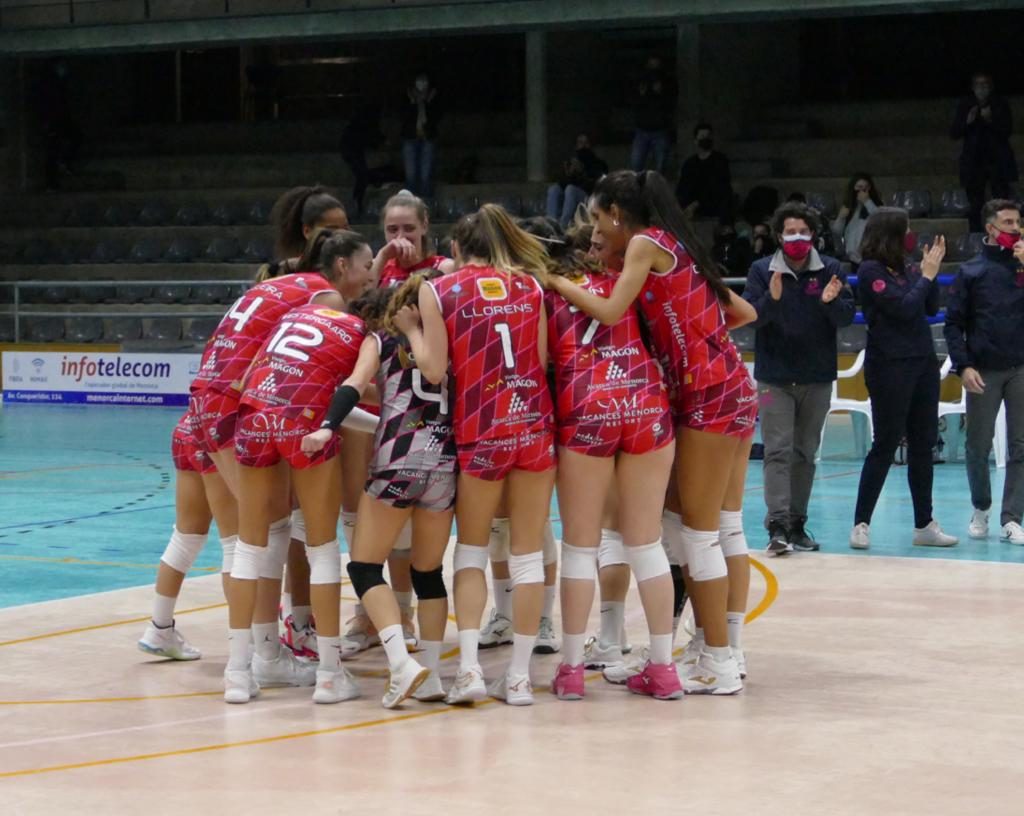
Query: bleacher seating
[200,329]
[84,330]
[119,329]
[164,329]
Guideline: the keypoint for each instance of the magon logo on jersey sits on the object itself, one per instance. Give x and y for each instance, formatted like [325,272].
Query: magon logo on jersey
[492,289]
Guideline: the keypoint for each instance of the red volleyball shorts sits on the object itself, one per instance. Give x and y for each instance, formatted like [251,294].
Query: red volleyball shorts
[728,408]
[493,459]
[185,451]
[215,416]
[635,430]
[264,438]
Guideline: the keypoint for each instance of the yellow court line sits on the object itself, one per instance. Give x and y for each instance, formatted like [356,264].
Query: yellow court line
[84,563]
[771,591]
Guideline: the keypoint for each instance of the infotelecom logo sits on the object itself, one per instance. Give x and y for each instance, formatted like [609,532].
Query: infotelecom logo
[87,366]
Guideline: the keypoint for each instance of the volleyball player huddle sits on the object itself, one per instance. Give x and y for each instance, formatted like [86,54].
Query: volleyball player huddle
[653,413]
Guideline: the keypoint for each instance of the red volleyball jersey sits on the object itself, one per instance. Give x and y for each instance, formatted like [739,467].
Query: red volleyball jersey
[598,369]
[687,324]
[493,321]
[246,326]
[312,350]
[392,275]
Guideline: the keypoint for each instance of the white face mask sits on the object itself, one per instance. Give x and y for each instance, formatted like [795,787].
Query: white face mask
[422,84]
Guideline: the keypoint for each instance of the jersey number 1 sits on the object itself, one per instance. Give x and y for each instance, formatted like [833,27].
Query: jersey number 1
[505,333]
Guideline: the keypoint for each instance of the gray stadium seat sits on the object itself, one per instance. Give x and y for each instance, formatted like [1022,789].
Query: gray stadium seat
[153,214]
[55,294]
[84,329]
[955,204]
[66,253]
[182,250]
[200,329]
[852,338]
[93,294]
[192,215]
[44,329]
[917,203]
[743,338]
[824,203]
[258,250]
[146,250]
[123,328]
[223,250]
[132,293]
[259,212]
[211,293]
[967,246]
[82,214]
[227,214]
[164,328]
[171,293]
[106,252]
[119,215]
[7,329]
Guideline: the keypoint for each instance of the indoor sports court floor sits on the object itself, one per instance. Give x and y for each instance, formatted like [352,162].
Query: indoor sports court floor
[885,682]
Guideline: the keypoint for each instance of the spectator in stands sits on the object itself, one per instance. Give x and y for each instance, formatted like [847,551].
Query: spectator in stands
[654,109]
[985,123]
[802,300]
[419,132]
[361,134]
[861,200]
[579,174]
[63,137]
[761,242]
[732,250]
[705,179]
[900,369]
[984,331]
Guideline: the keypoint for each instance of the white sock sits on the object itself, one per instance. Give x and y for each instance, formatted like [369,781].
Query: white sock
[734,622]
[360,612]
[430,654]
[265,636]
[469,644]
[286,605]
[163,611]
[698,633]
[393,640]
[719,653]
[675,627]
[572,649]
[404,600]
[661,649]
[549,601]
[503,596]
[613,616]
[522,651]
[330,653]
[301,615]
[238,649]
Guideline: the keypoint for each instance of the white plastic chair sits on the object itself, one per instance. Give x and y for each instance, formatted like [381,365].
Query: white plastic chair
[958,408]
[853,406]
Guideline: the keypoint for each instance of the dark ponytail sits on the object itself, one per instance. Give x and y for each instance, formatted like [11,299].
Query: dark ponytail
[299,207]
[646,200]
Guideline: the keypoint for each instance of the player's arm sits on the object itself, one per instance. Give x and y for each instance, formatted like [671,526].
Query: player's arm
[447,266]
[427,335]
[346,398]
[542,338]
[738,312]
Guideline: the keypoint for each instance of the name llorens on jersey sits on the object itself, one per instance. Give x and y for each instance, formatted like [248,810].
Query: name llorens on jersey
[415,429]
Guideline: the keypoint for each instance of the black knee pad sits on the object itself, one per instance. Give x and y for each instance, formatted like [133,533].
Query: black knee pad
[678,590]
[365,576]
[429,586]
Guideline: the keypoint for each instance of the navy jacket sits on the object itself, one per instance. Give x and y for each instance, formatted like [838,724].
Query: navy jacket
[796,335]
[896,307]
[985,312]
[986,144]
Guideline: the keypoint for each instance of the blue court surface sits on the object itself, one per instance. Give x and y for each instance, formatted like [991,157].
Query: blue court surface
[87,502]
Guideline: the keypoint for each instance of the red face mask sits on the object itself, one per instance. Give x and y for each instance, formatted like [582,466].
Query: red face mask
[1007,240]
[796,247]
[910,242]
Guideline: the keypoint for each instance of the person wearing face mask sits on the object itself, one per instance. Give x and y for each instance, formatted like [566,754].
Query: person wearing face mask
[984,327]
[705,179]
[419,132]
[861,200]
[802,299]
[654,111]
[900,369]
[984,122]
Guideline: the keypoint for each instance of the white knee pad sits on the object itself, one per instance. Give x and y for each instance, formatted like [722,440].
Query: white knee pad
[672,538]
[324,563]
[248,561]
[182,550]
[730,533]
[579,563]
[612,551]
[648,561]
[278,539]
[470,557]
[550,549]
[227,549]
[703,554]
[403,544]
[526,569]
[497,544]
[298,526]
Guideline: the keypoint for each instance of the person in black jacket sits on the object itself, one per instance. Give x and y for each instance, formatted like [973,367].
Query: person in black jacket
[985,124]
[419,131]
[801,299]
[985,336]
[705,179]
[900,369]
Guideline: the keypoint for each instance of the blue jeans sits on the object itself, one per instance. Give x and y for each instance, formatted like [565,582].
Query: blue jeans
[562,204]
[646,142]
[418,155]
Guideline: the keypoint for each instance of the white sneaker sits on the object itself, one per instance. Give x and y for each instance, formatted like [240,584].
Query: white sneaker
[690,655]
[468,687]
[497,632]
[547,641]
[597,655]
[335,687]
[741,662]
[860,537]
[515,690]
[1012,533]
[403,683]
[284,670]
[710,676]
[619,673]
[932,536]
[167,642]
[239,686]
[624,643]
[978,528]
[431,691]
[359,637]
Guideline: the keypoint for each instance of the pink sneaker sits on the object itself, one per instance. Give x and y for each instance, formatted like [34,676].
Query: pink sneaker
[660,681]
[568,682]
[301,642]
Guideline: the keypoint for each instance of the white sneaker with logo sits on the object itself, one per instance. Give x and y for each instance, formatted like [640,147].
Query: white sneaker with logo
[1013,533]
[710,676]
[515,690]
[403,683]
[497,632]
[468,688]
[978,528]
[167,642]
[335,687]
[547,641]
[597,655]
[860,537]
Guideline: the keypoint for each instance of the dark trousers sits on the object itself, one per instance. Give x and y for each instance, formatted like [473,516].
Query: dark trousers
[904,402]
[975,186]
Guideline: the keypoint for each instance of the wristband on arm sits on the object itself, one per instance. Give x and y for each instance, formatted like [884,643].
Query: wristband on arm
[344,400]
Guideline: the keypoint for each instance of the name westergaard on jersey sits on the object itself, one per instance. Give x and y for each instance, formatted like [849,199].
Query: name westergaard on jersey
[490,311]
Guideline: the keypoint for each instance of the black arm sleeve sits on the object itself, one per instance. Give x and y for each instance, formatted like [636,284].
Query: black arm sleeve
[344,400]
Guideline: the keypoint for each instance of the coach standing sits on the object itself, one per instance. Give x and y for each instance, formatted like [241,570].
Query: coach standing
[985,335]
[801,299]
